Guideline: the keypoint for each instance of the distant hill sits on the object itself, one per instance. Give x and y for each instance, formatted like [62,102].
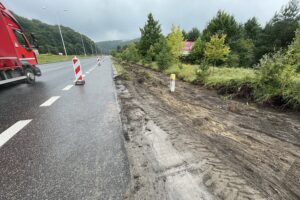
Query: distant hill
[49,39]
[107,46]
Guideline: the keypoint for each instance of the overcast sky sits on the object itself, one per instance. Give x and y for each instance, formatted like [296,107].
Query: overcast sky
[120,19]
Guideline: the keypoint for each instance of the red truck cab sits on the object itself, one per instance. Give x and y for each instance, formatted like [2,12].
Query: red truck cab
[17,57]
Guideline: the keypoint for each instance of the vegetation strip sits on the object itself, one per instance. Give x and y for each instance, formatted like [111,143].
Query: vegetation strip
[245,60]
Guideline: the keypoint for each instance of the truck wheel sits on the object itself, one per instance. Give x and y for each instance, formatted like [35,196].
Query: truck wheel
[30,76]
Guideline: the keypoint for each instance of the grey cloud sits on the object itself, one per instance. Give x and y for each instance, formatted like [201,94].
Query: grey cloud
[121,19]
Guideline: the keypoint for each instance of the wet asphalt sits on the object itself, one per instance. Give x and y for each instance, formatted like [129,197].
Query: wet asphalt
[72,149]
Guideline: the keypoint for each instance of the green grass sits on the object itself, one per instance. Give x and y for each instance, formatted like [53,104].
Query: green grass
[217,77]
[227,76]
[297,80]
[185,72]
[50,58]
[119,68]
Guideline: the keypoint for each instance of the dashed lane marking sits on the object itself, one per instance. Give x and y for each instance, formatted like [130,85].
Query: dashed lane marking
[13,130]
[67,88]
[50,101]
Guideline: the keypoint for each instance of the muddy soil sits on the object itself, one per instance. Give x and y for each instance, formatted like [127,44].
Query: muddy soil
[195,144]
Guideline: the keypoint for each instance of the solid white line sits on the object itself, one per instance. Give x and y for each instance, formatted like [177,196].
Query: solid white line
[67,88]
[50,101]
[14,129]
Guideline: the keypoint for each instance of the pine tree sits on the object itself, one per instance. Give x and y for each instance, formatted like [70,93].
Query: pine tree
[198,51]
[164,56]
[150,34]
[223,23]
[252,29]
[193,35]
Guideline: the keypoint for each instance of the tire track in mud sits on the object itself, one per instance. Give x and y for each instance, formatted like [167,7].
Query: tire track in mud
[213,162]
[222,182]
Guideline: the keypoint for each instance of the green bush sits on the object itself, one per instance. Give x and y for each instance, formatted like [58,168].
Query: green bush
[202,72]
[276,79]
[164,59]
[130,54]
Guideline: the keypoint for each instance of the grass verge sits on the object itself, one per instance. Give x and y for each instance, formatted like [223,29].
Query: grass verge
[50,58]
[238,82]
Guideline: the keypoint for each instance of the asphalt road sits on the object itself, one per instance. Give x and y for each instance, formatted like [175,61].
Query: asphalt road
[62,144]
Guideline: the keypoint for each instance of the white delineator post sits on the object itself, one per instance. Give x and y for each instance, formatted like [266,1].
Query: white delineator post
[79,79]
[172,82]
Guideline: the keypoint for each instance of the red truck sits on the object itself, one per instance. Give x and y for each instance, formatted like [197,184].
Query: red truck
[17,57]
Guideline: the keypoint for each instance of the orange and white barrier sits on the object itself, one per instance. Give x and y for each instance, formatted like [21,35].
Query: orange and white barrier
[79,78]
[98,61]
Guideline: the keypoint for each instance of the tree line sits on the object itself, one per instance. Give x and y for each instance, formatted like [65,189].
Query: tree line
[49,40]
[273,51]
[247,42]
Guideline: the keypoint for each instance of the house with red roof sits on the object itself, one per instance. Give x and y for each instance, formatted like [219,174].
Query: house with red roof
[187,47]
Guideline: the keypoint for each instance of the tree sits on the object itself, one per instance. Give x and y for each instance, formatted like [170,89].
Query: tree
[294,50]
[280,31]
[244,48]
[134,55]
[49,40]
[175,42]
[216,50]
[150,34]
[184,34]
[151,54]
[193,35]
[223,23]
[164,57]
[130,54]
[275,78]
[252,29]
[197,52]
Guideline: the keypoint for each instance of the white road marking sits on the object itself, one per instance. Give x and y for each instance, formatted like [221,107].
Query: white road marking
[11,131]
[67,88]
[50,101]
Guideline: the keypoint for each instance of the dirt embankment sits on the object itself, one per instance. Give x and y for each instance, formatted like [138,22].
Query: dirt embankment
[193,144]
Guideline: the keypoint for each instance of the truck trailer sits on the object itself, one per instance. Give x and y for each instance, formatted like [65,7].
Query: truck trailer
[17,57]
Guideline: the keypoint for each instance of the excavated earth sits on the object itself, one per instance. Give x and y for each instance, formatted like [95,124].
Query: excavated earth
[195,144]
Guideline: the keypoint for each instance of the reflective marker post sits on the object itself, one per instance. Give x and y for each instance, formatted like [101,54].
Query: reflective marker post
[172,82]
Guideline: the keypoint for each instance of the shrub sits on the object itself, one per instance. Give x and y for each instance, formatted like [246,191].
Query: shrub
[202,72]
[275,79]
[164,59]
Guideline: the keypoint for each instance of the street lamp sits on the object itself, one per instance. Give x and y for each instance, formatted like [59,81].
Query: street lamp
[62,38]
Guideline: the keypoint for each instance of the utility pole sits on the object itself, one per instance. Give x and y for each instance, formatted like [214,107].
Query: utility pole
[83,45]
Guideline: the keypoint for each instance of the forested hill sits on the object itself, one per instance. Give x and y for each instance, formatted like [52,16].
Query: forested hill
[108,46]
[49,39]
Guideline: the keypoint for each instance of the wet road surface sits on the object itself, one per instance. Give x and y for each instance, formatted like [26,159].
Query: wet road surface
[62,141]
